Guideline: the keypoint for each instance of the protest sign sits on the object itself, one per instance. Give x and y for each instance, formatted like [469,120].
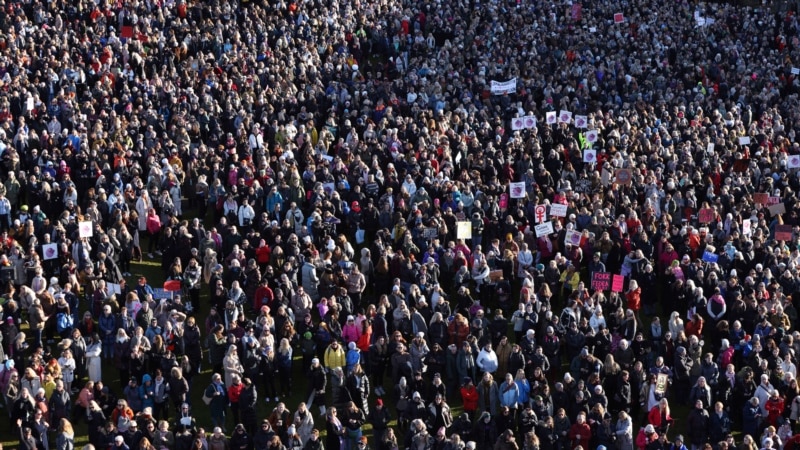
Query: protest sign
[761,197]
[710,257]
[776,209]
[529,122]
[591,136]
[565,116]
[464,230]
[619,18]
[572,237]
[601,281]
[551,117]
[543,229]
[558,210]
[517,189]
[540,213]
[85,229]
[624,176]
[705,215]
[747,227]
[617,283]
[517,124]
[744,140]
[581,121]
[793,162]
[783,232]
[50,251]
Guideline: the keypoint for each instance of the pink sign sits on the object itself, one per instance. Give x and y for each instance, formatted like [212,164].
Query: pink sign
[617,282]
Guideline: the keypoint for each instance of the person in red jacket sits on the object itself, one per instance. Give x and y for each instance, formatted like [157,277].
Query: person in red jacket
[580,432]
[234,391]
[469,395]
[774,407]
[659,417]
[646,436]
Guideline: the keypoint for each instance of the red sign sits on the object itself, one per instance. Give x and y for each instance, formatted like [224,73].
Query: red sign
[617,283]
[706,215]
[619,18]
[576,12]
[601,281]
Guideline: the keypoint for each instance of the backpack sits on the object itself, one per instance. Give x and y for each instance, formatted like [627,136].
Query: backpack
[64,322]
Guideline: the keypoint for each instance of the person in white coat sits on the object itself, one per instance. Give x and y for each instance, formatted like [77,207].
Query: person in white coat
[94,366]
[143,204]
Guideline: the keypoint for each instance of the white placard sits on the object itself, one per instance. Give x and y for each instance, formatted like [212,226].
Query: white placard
[29,103]
[540,213]
[747,227]
[744,140]
[710,149]
[543,229]
[529,122]
[558,210]
[591,136]
[517,123]
[85,229]
[551,117]
[590,156]
[517,189]
[464,230]
[49,251]
[572,237]
[592,29]
[564,116]
[793,162]
[581,121]
[795,71]
[503,87]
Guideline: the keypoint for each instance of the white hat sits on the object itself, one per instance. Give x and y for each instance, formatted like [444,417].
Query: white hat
[649,429]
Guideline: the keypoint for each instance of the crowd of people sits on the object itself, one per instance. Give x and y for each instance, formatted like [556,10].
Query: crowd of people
[332,190]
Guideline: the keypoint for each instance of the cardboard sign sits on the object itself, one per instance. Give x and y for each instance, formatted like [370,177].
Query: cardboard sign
[747,227]
[619,18]
[540,213]
[617,283]
[744,140]
[780,208]
[572,237]
[464,230]
[543,229]
[761,197]
[517,189]
[624,176]
[85,229]
[581,121]
[551,117]
[49,251]
[558,210]
[517,124]
[495,276]
[783,232]
[591,136]
[705,215]
[590,156]
[601,281]
[710,257]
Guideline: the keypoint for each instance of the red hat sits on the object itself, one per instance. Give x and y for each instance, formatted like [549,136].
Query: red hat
[379,402]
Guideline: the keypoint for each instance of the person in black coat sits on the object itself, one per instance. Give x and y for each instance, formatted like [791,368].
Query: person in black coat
[247,406]
[240,440]
[379,418]
[485,431]
[697,425]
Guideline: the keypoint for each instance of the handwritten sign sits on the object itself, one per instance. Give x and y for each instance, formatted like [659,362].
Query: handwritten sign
[617,283]
[430,233]
[85,229]
[705,215]
[601,281]
[517,189]
[543,229]
[783,232]
[773,200]
[558,210]
[583,186]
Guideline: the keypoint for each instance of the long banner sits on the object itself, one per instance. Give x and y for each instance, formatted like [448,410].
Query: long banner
[504,87]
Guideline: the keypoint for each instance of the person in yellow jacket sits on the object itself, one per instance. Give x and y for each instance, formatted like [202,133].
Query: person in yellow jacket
[334,356]
[570,279]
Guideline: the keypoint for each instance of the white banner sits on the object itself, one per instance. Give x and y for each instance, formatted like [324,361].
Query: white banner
[504,87]
[558,210]
[543,229]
